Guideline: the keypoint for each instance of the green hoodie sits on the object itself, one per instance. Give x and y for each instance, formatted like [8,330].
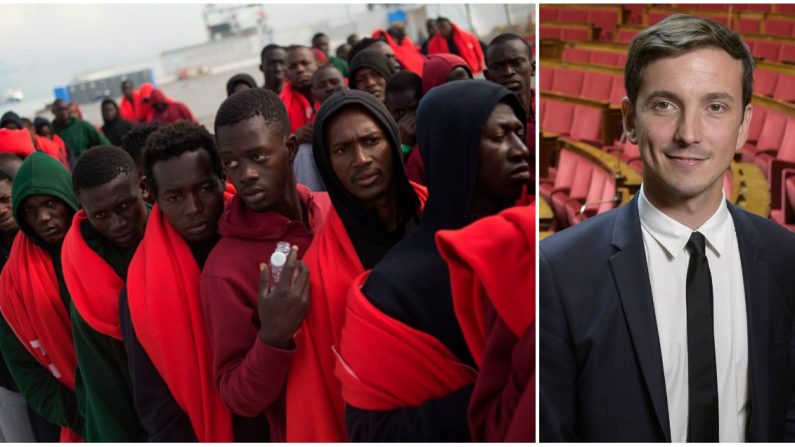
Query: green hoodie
[41,174]
[106,399]
[79,136]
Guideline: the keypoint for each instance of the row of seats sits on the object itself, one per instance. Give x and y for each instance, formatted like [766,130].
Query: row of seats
[606,57]
[566,32]
[580,119]
[581,189]
[591,84]
[603,17]
[773,83]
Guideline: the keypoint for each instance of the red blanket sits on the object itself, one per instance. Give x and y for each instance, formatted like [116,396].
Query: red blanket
[163,287]
[299,109]
[406,53]
[31,303]
[315,408]
[384,364]
[93,284]
[494,258]
[16,142]
[467,44]
[53,149]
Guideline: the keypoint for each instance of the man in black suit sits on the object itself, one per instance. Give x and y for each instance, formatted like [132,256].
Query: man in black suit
[669,318]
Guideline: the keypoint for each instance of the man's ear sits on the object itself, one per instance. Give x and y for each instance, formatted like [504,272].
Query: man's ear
[292,146]
[146,190]
[628,120]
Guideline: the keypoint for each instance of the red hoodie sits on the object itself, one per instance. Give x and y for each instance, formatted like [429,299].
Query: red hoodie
[174,111]
[249,374]
[128,110]
[467,44]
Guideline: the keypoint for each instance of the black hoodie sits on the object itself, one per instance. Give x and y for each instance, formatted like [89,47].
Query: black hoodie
[369,236]
[370,58]
[117,128]
[412,282]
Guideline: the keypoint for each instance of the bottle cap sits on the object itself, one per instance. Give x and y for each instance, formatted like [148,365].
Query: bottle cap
[278,259]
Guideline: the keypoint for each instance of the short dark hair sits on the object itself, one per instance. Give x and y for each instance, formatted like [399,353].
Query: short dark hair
[679,34]
[253,102]
[505,38]
[318,36]
[101,164]
[134,140]
[362,45]
[404,80]
[174,140]
[269,47]
[326,67]
[126,81]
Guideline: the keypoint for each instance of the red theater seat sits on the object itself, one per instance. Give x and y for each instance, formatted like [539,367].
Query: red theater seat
[567,81]
[605,58]
[767,50]
[579,189]
[757,121]
[576,55]
[586,125]
[617,92]
[567,168]
[769,137]
[597,85]
[778,27]
[558,117]
[546,74]
[785,88]
[765,81]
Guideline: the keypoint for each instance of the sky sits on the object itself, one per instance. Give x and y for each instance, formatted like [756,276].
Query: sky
[46,45]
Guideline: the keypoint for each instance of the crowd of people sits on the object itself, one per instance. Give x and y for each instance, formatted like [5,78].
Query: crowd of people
[348,256]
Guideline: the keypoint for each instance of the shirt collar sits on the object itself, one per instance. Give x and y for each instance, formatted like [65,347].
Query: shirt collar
[673,236]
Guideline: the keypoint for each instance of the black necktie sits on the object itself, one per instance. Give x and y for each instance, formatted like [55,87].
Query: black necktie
[702,372]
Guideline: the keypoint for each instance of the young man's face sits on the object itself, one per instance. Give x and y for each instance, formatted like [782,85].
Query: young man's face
[274,64]
[190,194]
[127,89]
[509,65]
[360,154]
[7,223]
[688,120]
[389,53]
[325,83]
[301,65]
[109,112]
[402,103]
[503,167]
[48,216]
[321,43]
[116,210]
[370,81]
[61,111]
[258,159]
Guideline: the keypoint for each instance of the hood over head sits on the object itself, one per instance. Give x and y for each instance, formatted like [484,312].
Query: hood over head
[438,67]
[11,117]
[370,238]
[41,174]
[370,58]
[450,120]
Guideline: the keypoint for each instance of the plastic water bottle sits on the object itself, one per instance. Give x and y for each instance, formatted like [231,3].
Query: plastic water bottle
[278,260]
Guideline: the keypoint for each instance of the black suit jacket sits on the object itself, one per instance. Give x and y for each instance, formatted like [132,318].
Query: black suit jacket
[601,371]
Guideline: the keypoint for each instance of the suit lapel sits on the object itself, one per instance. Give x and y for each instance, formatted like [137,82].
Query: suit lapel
[756,285]
[631,276]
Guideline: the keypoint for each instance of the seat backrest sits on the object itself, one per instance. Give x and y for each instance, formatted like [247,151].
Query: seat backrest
[546,75]
[571,54]
[786,150]
[549,32]
[617,91]
[772,130]
[785,88]
[757,121]
[558,117]
[573,15]
[787,53]
[582,179]
[765,81]
[626,35]
[574,34]
[587,125]
[767,50]
[595,189]
[748,25]
[567,168]
[596,85]
[608,193]
[789,191]
[567,81]
[778,27]
[608,58]
[548,13]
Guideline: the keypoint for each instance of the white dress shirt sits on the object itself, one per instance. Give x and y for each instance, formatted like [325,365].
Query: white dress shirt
[664,240]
